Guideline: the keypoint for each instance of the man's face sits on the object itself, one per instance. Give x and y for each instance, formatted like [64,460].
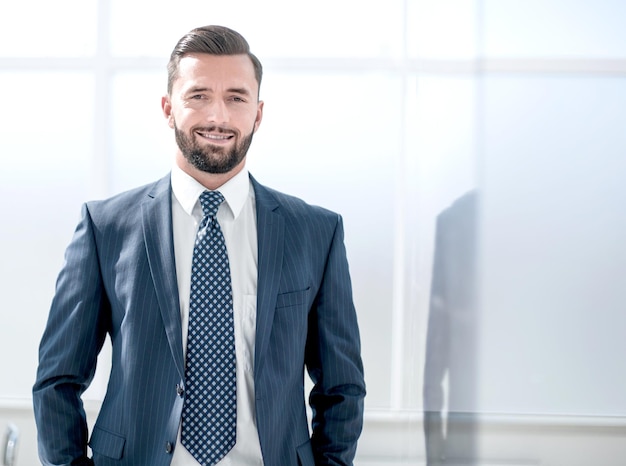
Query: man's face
[214,110]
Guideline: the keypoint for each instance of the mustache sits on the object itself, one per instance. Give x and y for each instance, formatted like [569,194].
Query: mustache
[215,129]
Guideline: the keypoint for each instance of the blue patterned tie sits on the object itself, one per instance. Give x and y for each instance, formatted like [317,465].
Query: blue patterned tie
[209,421]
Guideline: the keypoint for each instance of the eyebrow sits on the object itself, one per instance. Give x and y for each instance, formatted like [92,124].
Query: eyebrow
[239,90]
[235,90]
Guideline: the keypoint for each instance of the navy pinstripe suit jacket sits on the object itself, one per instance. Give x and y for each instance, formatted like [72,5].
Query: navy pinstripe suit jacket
[119,279]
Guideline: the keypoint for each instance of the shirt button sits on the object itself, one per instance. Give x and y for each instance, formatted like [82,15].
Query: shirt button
[179,390]
[168,447]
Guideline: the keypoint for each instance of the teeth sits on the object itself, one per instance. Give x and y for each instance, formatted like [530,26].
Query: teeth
[215,136]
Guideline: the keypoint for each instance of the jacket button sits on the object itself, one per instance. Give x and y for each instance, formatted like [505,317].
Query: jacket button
[168,447]
[179,390]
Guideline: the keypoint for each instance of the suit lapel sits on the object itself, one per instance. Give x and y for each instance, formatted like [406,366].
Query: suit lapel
[270,231]
[156,213]
[157,225]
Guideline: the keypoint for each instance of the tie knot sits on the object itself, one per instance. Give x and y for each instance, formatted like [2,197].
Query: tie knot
[210,201]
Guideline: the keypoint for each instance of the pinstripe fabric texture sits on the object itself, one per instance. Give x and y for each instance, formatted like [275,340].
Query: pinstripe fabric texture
[119,280]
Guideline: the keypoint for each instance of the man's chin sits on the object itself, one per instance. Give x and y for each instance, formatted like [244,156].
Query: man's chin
[213,166]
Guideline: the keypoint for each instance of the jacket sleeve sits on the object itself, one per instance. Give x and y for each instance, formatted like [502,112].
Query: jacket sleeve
[68,351]
[334,363]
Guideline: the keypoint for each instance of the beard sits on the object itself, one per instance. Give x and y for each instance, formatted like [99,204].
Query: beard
[208,158]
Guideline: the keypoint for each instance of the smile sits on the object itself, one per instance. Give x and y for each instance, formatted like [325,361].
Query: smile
[214,136]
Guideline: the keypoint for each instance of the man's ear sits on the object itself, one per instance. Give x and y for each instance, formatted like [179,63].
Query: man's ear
[166,106]
[259,115]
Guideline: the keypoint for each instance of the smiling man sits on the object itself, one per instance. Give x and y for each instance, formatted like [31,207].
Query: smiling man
[217,293]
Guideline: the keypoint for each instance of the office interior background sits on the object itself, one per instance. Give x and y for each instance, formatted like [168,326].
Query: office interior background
[475,148]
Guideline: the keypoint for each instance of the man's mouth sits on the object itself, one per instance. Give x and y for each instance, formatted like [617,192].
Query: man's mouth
[214,136]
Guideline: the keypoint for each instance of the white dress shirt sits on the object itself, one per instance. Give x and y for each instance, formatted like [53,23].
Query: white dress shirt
[237,219]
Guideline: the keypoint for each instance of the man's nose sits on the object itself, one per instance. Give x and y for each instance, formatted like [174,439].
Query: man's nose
[217,112]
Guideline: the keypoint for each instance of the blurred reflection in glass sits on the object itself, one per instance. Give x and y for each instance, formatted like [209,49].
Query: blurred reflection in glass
[451,347]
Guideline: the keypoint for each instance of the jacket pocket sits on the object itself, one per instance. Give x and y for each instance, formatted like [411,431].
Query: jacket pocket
[107,443]
[305,454]
[292,298]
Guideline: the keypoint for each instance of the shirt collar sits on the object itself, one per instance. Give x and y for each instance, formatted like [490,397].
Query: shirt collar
[187,191]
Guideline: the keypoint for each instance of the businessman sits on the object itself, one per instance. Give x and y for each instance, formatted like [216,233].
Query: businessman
[217,294]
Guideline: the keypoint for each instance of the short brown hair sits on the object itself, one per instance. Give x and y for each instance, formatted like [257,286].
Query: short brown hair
[214,40]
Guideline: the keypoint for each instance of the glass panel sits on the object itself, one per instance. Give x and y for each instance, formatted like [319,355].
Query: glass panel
[443,29]
[63,28]
[440,172]
[326,28]
[334,140]
[142,143]
[46,147]
[554,29]
[553,250]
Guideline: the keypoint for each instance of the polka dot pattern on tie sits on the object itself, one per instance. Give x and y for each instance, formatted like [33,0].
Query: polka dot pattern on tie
[209,421]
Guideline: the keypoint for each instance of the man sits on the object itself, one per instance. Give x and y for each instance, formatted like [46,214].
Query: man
[134,270]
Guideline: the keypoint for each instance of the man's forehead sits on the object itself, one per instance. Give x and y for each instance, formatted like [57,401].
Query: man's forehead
[202,70]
